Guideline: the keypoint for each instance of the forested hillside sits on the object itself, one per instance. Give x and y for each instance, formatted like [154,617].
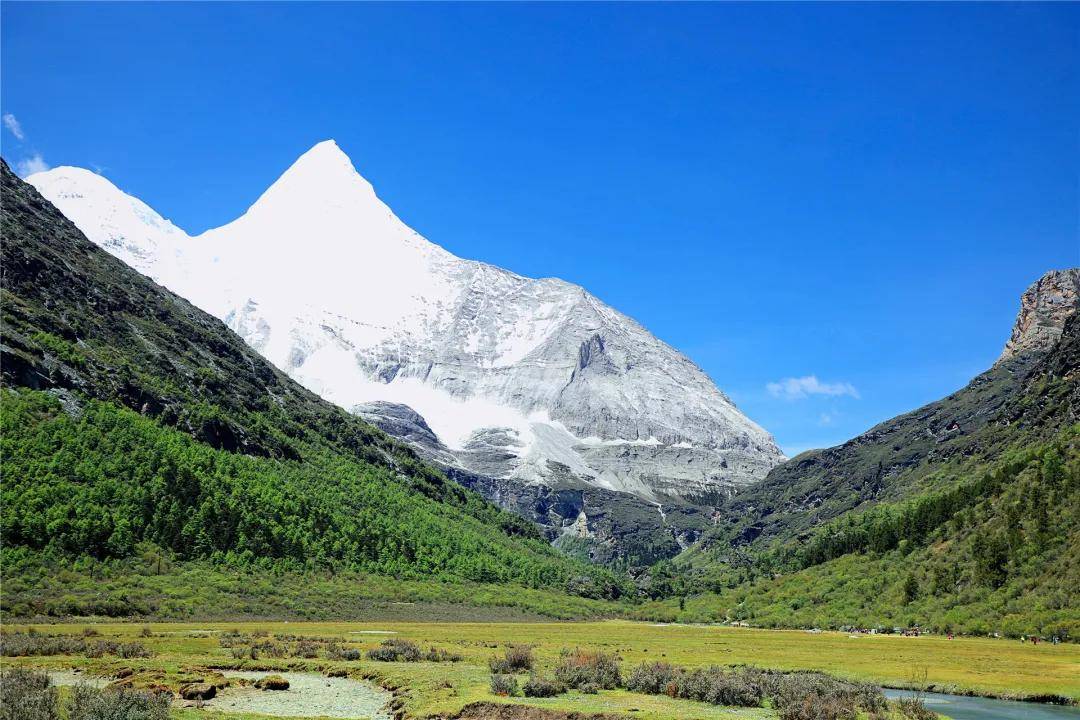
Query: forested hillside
[979,532]
[132,418]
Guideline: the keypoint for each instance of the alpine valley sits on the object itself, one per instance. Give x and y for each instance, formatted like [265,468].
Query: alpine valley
[314,414]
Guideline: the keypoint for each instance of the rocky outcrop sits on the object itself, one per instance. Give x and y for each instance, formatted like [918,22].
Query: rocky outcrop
[600,524]
[1044,308]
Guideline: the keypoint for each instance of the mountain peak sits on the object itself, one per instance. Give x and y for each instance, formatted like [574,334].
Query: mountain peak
[1044,308]
[324,173]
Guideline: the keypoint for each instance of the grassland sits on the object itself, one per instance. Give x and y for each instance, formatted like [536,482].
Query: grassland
[1004,668]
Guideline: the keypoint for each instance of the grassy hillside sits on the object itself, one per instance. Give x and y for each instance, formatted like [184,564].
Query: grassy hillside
[999,552]
[132,420]
[978,532]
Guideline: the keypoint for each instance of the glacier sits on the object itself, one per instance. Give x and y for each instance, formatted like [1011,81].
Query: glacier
[520,379]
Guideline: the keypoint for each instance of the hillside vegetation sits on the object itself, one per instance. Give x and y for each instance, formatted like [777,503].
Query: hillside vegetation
[998,553]
[977,532]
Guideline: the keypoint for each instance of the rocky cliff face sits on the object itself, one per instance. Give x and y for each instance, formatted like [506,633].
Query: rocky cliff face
[511,378]
[1044,308]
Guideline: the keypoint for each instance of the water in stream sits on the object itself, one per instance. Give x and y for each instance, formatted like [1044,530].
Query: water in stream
[959,707]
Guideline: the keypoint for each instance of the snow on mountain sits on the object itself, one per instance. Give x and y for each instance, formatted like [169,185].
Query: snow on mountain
[526,378]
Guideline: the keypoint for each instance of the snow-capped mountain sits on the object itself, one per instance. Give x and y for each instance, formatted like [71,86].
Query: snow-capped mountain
[518,378]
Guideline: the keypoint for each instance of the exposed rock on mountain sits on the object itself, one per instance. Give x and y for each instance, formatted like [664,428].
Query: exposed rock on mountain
[516,379]
[1044,307]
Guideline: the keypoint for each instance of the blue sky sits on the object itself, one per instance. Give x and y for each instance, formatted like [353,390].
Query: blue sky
[847,192]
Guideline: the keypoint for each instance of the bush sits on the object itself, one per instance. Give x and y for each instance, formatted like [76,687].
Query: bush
[914,709]
[578,667]
[504,685]
[26,695]
[796,696]
[334,651]
[132,650]
[396,650]
[516,658]
[88,703]
[816,696]
[306,649]
[541,687]
[18,644]
[436,655]
[651,678]
[266,648]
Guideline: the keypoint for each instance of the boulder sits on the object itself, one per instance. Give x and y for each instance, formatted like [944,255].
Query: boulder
[198,691]
[272,682]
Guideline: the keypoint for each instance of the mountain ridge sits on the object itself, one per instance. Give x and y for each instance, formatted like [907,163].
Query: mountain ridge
[894,457]
[521,380]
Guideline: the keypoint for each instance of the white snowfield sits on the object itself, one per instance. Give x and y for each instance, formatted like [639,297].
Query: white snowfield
[329,285]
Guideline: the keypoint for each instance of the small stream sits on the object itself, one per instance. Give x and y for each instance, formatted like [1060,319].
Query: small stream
[960,707]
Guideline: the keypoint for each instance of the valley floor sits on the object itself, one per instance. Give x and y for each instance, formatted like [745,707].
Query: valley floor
[1003,668]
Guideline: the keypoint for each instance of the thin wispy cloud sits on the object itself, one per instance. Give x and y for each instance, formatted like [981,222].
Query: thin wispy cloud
[803,387]
[33,164]
[13,126]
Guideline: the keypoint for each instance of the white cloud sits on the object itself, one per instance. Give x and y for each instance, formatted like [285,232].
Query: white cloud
[33,164]
[12,124]
[803,387]
[826,418]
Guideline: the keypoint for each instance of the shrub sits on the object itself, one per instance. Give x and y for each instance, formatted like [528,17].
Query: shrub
[741,688]
[18,644]
[796,696]
[132,650]
[578,667]
[34,644]
[396,650]
[516,658]
[267,648]
[436,655]
[306,649]
[816,696]
[382,654]
[504,685]
[334,651]
[26,695]
[914,709]
[651,678]
[88,703]
[540,687]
